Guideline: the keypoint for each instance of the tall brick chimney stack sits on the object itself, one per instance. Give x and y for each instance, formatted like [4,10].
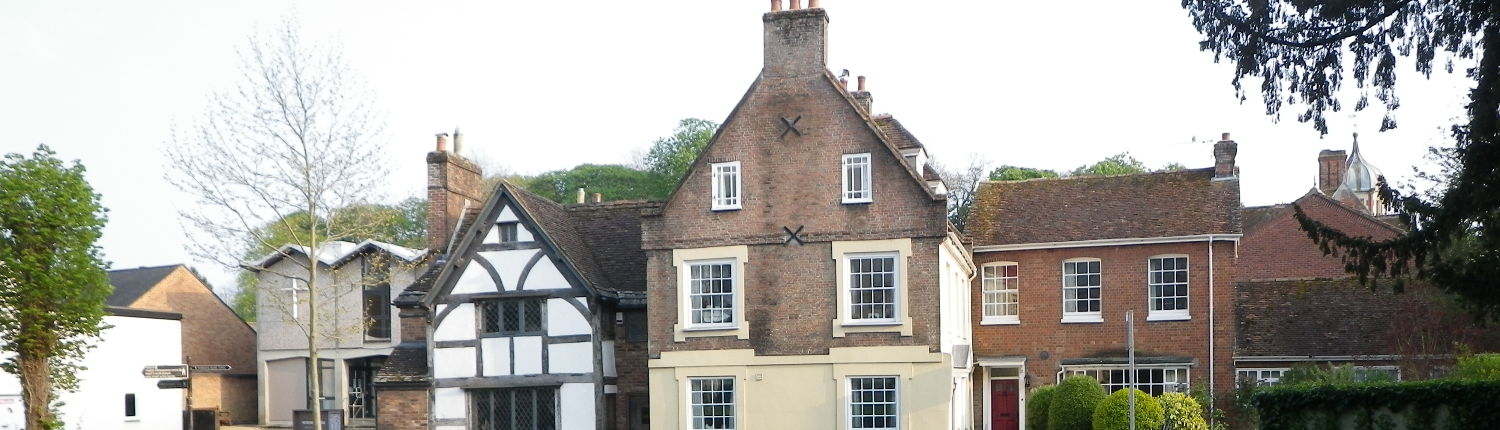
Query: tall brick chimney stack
[796,41]
[1331,167]
[451,181]
[1224,152]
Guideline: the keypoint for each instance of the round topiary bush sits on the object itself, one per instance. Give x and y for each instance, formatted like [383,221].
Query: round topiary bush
[1073,403]
[1036,407]
[1114,412]
[1182,412]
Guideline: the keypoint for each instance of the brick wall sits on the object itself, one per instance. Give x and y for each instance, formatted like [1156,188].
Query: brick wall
[402,409]
[211,334]
[630,368]
[1124,287]
[1279,249]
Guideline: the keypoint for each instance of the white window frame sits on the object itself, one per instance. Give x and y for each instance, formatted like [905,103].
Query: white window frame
[726,174]
[895,402]
[995,288]
[895,289]
[1264,376]
[1153,288]
[863,194]
[731,313]
[693,402]
[1180,376]
[1082,316]
[682,261]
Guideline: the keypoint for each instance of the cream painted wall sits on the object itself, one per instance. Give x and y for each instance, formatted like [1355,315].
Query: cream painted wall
[804,392]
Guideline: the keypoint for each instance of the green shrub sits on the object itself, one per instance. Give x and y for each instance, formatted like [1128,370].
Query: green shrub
[1480,367]
[1073,404]
[1114,412]
[1036,407]
[1182,412]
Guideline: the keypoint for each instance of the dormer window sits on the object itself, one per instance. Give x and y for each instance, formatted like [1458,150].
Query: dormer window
[726,186]
[857,178]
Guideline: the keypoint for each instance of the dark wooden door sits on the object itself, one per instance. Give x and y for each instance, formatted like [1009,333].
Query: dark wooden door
[1005,405]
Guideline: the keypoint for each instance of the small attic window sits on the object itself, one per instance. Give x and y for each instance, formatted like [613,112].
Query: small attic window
[507,231]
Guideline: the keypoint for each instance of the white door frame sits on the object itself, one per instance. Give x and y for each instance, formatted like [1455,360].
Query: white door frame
[1018,363]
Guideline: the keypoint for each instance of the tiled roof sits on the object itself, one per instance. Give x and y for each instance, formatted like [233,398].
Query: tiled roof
[406,364]
[131,284]
[1162,204]
[554,222]
[612,231]
[895,132]
[1255,216]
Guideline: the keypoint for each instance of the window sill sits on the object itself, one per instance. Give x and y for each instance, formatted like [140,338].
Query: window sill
[1088,318]
[1001,321]
[1169,316]
[858,323]
[710,329]
[724,208]
[858,201]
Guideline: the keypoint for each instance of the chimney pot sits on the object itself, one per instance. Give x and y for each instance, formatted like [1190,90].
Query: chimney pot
[844,83]
[812,4]
[796,4]
[598,197]
[1225,137]
[580,195]
[458,142]
[775,5]
[442,142]
[861,83]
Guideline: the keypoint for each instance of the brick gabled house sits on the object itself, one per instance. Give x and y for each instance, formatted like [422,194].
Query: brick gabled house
[1296,305]
[1061,260]
[211,333]
[533,317]
[803,274]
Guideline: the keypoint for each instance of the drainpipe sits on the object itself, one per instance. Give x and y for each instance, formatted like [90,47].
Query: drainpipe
[1212,394]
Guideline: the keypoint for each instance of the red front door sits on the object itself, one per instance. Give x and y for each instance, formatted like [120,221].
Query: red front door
[1005,405]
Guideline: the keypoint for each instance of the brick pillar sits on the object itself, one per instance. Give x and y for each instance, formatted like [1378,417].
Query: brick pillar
[796,42]
[1331,167]
[403,408]
[451,181]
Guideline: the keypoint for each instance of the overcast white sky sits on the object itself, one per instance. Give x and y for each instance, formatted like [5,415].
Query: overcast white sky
[545,85]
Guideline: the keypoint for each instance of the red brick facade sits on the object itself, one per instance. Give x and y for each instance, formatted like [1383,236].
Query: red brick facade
[403,408]
[630,368]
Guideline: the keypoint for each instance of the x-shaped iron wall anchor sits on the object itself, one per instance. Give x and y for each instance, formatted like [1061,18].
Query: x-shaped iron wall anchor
[791,126]
[793,235]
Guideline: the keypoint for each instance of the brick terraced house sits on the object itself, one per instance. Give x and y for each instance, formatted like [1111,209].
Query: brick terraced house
[1061,260]
[803,274]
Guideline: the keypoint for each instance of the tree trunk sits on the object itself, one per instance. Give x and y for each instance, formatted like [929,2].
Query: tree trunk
[36,389]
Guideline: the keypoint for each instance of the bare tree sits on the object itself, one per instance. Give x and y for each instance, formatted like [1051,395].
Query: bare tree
[962,181]
[297,138]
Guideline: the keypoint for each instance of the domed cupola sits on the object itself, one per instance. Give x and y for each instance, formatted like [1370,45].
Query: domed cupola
[1360,177]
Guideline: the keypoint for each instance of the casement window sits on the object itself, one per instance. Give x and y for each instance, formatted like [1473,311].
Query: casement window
[1002,301]
[508,232]
[1167,281]
[1261,377]
[1081,288]
[513,408]
[711,403]
[512,317]
[726,186]
[872,402]
[376,277]
[711,294]
[1154,380]
[872,287]
[857,178]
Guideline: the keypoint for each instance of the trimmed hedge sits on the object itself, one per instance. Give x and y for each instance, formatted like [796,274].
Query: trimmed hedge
[1182,412]
[1036,407]
[1114,412]
[1469,404]
[1073,404]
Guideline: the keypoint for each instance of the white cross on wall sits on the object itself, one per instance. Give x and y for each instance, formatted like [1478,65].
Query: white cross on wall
[294,289]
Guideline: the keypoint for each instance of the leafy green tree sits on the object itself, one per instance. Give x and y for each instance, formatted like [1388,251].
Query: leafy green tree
[615,182]
[1073,403]
[1301,52]
[673,155]
[52,280]
[1114,412]
[1036,407]
[1013,173]
[1118,164]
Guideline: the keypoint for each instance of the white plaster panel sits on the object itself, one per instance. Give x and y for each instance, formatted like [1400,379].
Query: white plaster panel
[449,403]
[528,355]
[563,319]
[509,264]
[458,325]
[523,234]
[507,215]
[577,410]
[608,348]
[474,280]
[545,277]
[496,356]
[570,357]
[493,236]
[453,362]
